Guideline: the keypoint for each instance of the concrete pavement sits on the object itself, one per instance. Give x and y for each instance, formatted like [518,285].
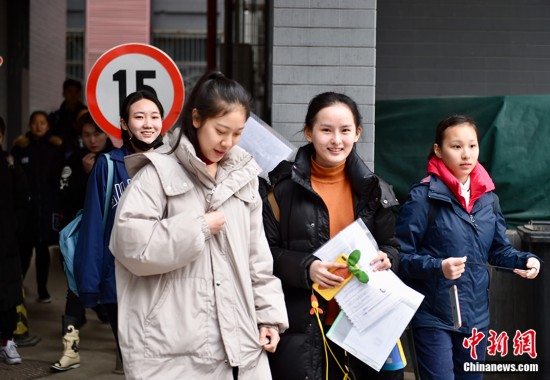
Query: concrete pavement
[97,345]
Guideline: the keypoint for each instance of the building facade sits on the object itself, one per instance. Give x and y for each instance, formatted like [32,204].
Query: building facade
[284,51]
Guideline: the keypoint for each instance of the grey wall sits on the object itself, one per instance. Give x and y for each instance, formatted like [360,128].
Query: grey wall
[76,14]
[323,45]
[447,48]
[188,15]
[48,22]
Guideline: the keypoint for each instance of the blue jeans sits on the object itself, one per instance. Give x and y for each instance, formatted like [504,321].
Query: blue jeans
[441,355]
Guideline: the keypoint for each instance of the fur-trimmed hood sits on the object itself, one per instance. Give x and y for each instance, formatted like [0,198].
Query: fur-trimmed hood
[24,141]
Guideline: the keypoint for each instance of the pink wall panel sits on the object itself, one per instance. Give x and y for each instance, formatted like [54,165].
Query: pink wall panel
[113,22]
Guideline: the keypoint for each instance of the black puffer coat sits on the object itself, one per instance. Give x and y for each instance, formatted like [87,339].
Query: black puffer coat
[42,160]
[304,227]
[13,205]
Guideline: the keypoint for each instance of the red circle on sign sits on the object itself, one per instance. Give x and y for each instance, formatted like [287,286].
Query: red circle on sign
[150,51]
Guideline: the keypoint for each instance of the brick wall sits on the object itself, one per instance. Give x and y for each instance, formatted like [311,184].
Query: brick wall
[320,46]
[433,48]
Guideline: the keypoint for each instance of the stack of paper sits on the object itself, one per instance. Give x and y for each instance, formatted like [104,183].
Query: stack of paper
[374,315]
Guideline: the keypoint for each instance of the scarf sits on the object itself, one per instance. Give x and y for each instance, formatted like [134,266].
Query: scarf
[480,181]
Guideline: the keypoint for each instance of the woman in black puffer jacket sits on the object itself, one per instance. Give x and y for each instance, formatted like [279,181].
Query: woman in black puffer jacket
[325,189]
[40,154]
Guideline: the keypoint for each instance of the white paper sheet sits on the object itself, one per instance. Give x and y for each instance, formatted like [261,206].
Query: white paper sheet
[374,344]
[354,236]
[366,303]
[266,146]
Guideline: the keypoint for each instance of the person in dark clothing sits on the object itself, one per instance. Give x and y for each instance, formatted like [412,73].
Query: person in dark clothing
[63,120]
[74,176]
[40,154]
[324,190]
[14,202]
[72,191]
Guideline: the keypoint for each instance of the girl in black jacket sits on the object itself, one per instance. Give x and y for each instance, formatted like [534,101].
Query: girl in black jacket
[41,155]
[325,189]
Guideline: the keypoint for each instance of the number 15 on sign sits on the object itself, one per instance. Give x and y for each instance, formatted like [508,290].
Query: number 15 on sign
[128,68]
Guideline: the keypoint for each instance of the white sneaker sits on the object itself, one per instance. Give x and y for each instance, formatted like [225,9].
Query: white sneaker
[9,353]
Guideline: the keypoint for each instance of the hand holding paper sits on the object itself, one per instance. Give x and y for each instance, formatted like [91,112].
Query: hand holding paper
[381,262]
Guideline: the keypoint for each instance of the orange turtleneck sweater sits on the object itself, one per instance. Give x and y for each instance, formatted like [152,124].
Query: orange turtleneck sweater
[334,187]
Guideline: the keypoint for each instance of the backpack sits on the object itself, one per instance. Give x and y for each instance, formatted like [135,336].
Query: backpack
[68,236]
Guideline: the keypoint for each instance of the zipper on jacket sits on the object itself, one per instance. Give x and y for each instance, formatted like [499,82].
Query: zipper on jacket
[209,196]
[473,221]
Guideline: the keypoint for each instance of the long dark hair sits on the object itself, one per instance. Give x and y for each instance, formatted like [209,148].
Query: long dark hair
[327,99]
[449,122]
[214,95]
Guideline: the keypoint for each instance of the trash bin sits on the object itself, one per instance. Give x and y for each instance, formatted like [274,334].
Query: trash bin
[517,304]
[535,238]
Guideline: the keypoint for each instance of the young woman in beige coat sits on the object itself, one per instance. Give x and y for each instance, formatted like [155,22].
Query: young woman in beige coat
[196,293]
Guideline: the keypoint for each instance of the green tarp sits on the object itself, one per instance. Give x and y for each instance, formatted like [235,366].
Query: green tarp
[514,146]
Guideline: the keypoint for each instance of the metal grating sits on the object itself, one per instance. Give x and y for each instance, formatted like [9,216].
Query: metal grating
[74,58]
[187,49]
[27,370]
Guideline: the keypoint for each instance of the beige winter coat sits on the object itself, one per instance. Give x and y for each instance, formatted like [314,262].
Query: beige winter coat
[190,304]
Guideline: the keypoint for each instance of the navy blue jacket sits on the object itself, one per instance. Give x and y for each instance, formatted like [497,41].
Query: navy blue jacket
[94,265]
[481,236]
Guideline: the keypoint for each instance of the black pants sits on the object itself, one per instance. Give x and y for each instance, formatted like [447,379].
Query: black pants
[112,313]
[8,323]
[74,308]
[42,261]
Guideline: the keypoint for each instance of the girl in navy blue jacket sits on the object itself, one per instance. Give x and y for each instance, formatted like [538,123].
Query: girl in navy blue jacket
[72,190]
[468,232]
[141,116]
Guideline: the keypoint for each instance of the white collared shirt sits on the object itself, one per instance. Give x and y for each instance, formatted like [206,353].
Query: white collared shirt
[465,190]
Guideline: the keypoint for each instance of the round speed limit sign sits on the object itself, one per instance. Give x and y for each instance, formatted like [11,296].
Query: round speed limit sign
[128,68]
